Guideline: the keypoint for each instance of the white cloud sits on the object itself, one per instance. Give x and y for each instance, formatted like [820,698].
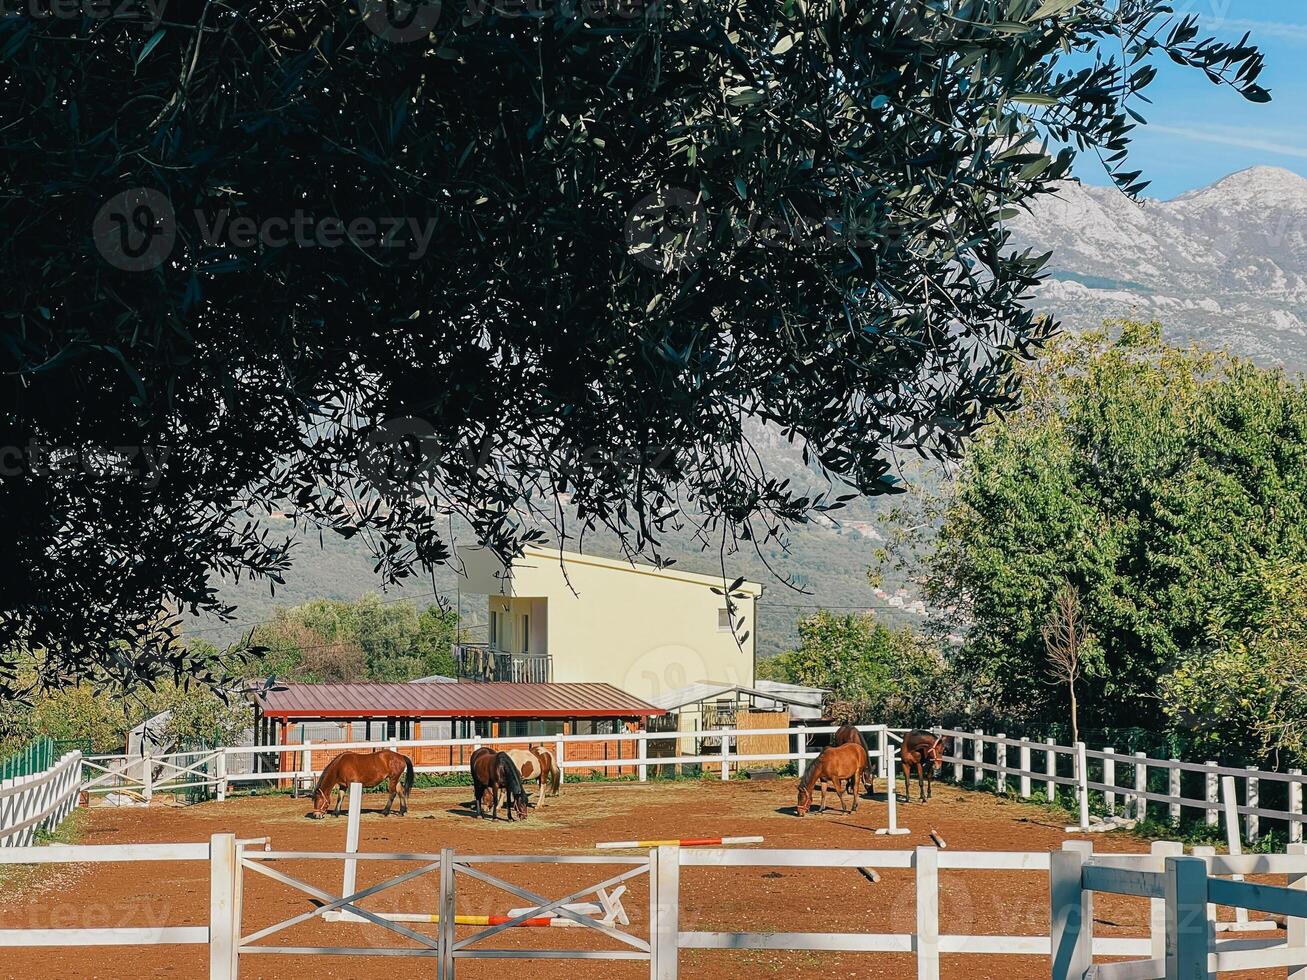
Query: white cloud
[1259,29]
[1227,137]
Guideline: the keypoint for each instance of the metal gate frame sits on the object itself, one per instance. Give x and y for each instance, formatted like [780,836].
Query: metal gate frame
[445,946]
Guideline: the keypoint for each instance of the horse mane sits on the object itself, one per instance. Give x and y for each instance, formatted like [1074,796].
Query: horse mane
[328,770]
[508,768]
[810,774]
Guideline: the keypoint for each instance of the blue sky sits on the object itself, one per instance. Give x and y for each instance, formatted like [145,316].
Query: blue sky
[1199,132]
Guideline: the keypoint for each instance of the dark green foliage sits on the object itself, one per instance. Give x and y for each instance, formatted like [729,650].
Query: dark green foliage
[1169,488]
[838,176]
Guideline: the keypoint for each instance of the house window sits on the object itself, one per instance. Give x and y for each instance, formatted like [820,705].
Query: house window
[494,631]
[526,633]
[723,620]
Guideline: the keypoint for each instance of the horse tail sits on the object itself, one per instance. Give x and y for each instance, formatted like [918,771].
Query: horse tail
[408,775]
[555,773]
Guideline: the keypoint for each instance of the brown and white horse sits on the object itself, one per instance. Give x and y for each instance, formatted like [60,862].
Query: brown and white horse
[539,764]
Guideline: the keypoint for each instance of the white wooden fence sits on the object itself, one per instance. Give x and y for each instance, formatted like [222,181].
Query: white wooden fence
[1023,766]
[1016,765]
[1182,892]
[41,801]
[226,768]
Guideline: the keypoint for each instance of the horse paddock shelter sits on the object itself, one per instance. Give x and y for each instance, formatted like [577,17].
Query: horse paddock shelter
[714,901]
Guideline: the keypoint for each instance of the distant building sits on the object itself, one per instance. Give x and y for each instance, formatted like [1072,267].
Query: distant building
[567,617]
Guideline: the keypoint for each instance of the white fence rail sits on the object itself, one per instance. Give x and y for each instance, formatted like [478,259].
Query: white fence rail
[41,801]
[1023,767]
[1182,893]
[1016,765]
[225,768]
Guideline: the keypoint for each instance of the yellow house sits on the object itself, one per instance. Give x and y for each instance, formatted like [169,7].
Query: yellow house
[565,617]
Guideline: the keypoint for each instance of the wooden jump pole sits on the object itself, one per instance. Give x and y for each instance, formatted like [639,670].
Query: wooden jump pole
[619,845]
[893,829]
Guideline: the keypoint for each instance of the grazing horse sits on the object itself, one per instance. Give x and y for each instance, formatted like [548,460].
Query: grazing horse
[491,772]
[926,751]
[538,764]
[368,768]
[848,733]
[834,767]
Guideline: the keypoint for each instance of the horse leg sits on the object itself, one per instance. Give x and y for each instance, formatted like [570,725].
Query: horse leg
[393,787]
[921,781]
[839,792]
[340,796]
[907,782]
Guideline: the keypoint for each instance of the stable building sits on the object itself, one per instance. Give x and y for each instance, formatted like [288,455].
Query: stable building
[320,714]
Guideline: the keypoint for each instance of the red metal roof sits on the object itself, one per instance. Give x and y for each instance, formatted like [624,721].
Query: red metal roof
[472,700]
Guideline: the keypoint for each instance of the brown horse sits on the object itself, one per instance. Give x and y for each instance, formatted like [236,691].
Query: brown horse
[370,769]
[538,764]
[925,751]
[491,772]
[834,767]
[849,733]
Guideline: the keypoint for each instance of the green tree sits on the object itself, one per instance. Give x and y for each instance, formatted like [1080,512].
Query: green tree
[1152,480]
[1248,687]
[577,252]
[872,672]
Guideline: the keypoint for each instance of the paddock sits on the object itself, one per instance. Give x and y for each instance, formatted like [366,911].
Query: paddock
[713,900]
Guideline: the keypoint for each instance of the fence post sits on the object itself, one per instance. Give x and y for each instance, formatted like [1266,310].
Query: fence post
[1161,849]
[726,755]
[665,927]
[1252,827]
[1207,852]
[224,931]
[1071,912]
[1023,760]
[978,774]
[1050,770]
[348,882]
[147,776]
[1109,779]
[1141,786]
[558,757]
[1295,807]
[221,774]
[448,905]
[1297,927]
[1186,918]
[959,756]
[1000,759]
[1082,784]
[306,766]
[1173,791]
[1211,815]
[643,744]
[927,865]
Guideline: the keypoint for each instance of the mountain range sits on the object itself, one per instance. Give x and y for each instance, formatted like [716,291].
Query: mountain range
[1224,266]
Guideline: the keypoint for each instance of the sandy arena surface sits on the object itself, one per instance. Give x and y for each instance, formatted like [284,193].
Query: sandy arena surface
[732,899]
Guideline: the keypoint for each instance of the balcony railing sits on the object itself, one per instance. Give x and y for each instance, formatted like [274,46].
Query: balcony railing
[480,662]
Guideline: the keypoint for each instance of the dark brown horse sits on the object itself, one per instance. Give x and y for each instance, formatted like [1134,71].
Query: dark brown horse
[370,769]
[835,767]
[491,772]
[925,751]
[849,733]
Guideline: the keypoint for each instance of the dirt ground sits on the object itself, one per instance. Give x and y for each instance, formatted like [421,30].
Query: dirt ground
[737,900]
